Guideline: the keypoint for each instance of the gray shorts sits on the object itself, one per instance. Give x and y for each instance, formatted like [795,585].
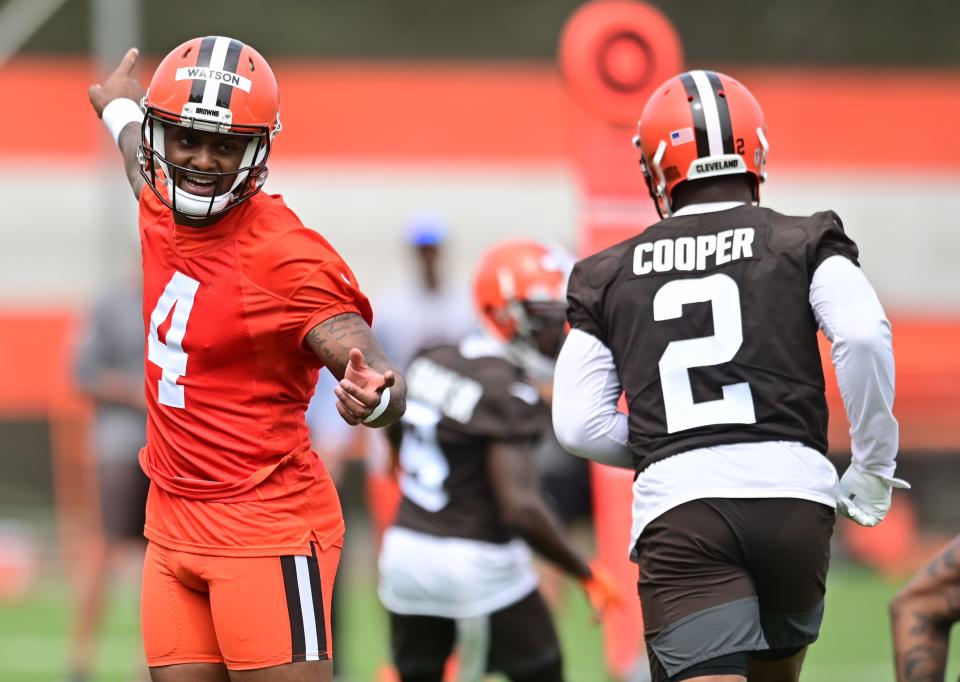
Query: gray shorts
[725,576]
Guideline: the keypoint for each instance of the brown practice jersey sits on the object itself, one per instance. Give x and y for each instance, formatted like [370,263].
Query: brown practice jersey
[710,326]
[457,405]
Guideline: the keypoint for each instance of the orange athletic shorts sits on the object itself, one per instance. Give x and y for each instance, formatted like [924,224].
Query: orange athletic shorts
[245,612]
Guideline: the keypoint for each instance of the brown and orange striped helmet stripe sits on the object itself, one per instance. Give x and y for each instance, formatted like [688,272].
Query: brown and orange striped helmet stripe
[710,112]
[219,54]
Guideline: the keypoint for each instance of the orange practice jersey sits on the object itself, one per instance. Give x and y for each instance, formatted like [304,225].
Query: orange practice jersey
[228,378]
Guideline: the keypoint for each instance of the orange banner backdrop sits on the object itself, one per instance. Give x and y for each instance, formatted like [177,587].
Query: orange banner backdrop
[504,113]
[511,112]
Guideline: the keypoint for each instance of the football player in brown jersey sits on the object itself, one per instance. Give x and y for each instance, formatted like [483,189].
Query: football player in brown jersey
[708,321]
[455,568]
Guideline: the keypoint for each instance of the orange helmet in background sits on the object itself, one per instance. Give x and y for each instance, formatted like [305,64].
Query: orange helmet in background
[519,292]
[700,124]
[219,85]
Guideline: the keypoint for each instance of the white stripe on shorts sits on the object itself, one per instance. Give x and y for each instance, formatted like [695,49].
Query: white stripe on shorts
[306,608]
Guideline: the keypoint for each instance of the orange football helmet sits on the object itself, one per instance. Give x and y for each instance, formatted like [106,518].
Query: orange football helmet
[699,124]
[214,84]
[520,296]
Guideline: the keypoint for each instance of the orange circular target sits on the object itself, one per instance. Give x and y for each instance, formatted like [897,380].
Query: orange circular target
[614,53]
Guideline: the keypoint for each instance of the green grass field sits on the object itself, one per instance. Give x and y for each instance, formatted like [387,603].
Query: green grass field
[854,645]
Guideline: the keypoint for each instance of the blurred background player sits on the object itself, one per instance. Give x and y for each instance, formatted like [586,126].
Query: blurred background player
[565,484]
[244,305]
[923,614]
[708,320]
[455,568]
[426,308]
[108,368]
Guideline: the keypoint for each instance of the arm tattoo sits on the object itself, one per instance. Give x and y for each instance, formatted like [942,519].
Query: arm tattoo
[923,624]
[333,339]
[947,562]
[924,663]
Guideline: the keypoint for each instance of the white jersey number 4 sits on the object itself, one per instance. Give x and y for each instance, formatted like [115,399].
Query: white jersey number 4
[736,406]
[169,355]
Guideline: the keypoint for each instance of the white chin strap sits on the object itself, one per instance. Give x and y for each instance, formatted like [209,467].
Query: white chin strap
[191,204]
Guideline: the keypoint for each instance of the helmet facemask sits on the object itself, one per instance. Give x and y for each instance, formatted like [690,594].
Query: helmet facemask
[540,331]
[537,322]
[214,85]
[246,181]
[656,182]
[542,326]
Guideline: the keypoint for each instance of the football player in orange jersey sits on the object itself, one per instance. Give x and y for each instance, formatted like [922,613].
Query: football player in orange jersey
[242,307]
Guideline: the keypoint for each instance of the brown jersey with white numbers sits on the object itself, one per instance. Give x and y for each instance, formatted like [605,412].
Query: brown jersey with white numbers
[457,405]
[709,322]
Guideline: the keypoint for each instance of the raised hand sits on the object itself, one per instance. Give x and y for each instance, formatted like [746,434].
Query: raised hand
[120,83]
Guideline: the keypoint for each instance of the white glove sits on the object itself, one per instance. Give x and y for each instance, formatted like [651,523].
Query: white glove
[864,497]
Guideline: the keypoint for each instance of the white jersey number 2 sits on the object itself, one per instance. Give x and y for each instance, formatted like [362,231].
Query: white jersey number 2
[169,355]
[736,406]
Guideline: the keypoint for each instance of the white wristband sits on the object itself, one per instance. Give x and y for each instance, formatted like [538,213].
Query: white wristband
[120,112]
[381,408]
